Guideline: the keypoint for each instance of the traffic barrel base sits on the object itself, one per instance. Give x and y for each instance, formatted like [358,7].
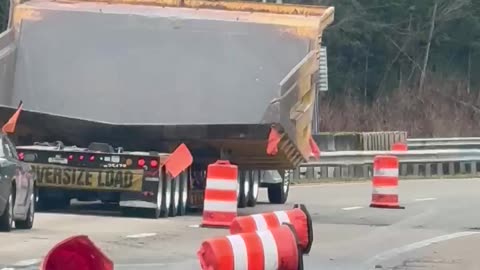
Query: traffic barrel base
[275,249]
[298,217]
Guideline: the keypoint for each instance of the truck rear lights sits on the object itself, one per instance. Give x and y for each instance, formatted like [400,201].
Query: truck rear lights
[21,156]
[153,163]
[92,158]
[81,157]
[141,162]
[70,157]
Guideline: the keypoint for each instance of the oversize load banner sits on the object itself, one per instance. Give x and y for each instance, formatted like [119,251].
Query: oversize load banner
[88,178]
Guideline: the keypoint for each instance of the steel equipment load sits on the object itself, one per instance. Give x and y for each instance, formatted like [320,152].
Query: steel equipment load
[146,75]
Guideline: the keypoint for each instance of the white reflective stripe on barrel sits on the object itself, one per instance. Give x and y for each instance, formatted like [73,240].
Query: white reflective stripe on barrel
[219,206]
[221,184]
[260,222]
[239,249]
[282,217]
[270,252]
[385,190]
[386,172]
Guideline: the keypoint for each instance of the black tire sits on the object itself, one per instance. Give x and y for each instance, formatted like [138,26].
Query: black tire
[6,219]
[166,196]
[182,206]
[254,188]
[278,193]
[244,186]
[175,196]
[27,224]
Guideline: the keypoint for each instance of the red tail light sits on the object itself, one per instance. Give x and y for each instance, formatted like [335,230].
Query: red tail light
[21,156]
[82,157]
[153,163]
[92,158]
[141,162]
[70,157]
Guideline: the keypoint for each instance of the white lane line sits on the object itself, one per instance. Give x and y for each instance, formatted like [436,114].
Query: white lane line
[417,245]
[27,262]
[425,199]
[138,265]
[352,208]
[140,235]
[23,264]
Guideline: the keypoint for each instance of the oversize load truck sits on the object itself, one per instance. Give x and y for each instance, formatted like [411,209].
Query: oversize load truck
[177,84]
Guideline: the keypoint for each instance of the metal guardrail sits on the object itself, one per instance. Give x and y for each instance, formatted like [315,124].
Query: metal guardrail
[411,156]
[444,143]
[413,163]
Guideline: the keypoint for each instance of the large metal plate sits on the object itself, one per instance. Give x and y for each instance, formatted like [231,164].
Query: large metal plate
[150,67]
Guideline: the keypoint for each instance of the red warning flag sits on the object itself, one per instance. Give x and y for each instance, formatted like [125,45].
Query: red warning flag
[9,127]
[273,140]
[314,148]
[178,161]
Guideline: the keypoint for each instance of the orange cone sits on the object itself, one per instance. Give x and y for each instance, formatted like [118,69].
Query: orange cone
[274,249]
[76,253]
[220,202]
[385,182]
[298,217]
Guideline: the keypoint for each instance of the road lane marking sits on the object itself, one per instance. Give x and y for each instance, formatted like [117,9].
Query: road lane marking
[140,235]
[417,245]
[352,208]
[27,262]
[24,264]
[138,265]
[425,199]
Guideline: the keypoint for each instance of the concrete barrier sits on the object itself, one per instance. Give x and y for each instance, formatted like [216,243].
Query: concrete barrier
[359,141]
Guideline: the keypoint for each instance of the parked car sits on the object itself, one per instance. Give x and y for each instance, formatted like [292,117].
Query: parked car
[17,188]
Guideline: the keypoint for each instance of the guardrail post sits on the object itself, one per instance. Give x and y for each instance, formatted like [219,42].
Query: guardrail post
[428,169]
[463,169]
[310,173]
[440,169]
[403,169]
[416,169]
[451,168]
[473,167]
[323,172]
[296,173]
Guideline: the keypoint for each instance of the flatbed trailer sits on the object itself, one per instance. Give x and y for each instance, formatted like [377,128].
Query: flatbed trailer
[230,80]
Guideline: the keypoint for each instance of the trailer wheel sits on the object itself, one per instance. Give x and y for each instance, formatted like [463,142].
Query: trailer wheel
[278,193]
[166,196]
[175,196]
[244,187]
[182,206]
[254,188]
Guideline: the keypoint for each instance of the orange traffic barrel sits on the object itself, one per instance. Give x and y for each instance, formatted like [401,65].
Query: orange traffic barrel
[299,217]
[399,146]
[76,253]
[220,202]
[274,249]
[385,182]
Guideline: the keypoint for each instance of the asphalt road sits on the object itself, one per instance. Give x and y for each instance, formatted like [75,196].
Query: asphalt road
[438,229]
